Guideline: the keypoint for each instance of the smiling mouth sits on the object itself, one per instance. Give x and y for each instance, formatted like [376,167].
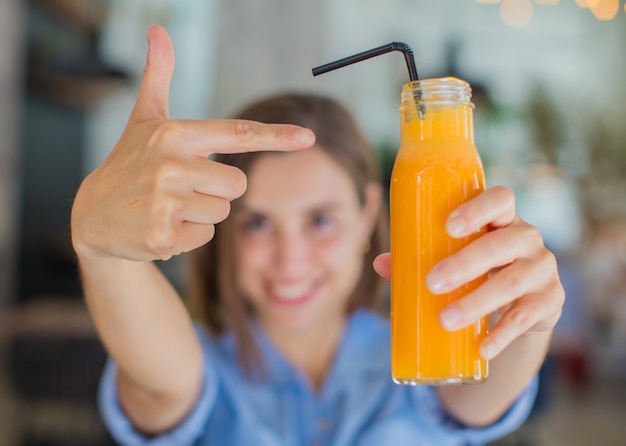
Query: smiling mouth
[292,294]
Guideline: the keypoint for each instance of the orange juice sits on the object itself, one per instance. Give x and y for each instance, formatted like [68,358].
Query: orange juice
[437,169]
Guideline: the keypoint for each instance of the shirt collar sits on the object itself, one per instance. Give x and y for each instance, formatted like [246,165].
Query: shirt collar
[363,350]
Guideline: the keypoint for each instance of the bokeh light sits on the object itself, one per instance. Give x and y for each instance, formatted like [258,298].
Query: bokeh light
[604,9]
[516,13]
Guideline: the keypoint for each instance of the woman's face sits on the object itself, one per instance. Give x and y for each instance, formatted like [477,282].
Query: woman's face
[299,238]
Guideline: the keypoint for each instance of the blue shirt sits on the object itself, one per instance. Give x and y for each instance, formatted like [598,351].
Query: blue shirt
[359,405]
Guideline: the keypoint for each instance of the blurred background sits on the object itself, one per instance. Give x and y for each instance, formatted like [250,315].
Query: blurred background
[548,83]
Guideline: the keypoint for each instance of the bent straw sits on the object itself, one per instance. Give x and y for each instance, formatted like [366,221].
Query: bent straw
[393,46]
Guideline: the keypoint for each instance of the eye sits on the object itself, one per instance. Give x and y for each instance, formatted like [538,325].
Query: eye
[254,224]
[322,221]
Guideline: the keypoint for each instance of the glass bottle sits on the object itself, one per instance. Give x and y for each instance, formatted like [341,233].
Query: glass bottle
[437,168]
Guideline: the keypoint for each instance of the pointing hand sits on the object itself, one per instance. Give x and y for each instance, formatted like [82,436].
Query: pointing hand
[157,194]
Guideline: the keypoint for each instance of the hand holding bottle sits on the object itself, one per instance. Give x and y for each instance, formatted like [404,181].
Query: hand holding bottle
[523,284]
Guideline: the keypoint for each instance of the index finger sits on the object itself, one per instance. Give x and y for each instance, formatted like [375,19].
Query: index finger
[237,135]
[495,208]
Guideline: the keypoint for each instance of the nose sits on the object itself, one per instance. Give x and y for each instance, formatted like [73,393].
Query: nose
[292,252]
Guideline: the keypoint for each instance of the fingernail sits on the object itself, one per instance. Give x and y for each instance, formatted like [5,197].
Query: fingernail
[450,318]
[435,280]
[148,32]
[148,50]
[488,350]
[455,226]
[304,137]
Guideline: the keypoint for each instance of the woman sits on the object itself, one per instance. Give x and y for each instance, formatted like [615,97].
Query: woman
[295,354]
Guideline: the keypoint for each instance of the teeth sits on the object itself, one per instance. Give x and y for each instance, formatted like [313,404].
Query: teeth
[290,292]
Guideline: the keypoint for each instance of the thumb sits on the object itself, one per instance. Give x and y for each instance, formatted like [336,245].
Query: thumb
[382,265]
[153,99]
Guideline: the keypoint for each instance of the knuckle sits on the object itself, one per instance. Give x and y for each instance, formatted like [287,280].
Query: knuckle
[503,193]
[533,237]
[546,266]
[548,262]
[238,182]
[222,209]
[161,239]
[520,318]
[168,172]
[164,133]
[555,318]
[511,282]
[162,234]
[560,295]
[245,133]
[163,208]
[210,232]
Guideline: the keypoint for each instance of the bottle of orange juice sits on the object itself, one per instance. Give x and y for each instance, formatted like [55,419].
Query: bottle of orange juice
[437,169]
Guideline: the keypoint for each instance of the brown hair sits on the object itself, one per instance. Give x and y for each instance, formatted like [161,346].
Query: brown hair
[213,292]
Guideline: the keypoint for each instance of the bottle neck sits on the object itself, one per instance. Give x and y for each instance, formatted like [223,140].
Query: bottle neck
[437,110]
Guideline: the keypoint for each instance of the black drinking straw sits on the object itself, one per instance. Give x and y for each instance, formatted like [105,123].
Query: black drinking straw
[393,46]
